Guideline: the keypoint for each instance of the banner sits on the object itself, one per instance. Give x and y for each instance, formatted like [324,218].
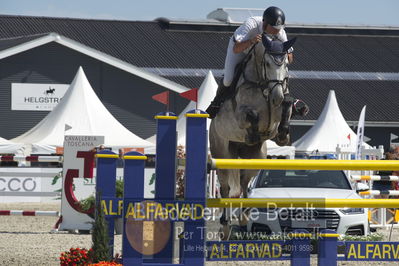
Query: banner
[21,187]
[360,134]
[36,97]
[71,218]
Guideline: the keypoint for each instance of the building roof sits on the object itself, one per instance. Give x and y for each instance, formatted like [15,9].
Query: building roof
[7,43]
[35,41]
[360,63]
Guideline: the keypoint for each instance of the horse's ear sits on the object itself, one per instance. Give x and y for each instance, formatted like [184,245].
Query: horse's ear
[288,44]
[266,42]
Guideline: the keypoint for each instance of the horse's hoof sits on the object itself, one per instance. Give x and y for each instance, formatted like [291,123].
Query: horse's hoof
[282,139]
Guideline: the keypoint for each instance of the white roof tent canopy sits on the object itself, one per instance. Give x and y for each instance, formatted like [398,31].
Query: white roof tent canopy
[7,146]
[80,112]
[329,132]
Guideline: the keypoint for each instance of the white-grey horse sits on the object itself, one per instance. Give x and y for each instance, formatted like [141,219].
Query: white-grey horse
[252,116]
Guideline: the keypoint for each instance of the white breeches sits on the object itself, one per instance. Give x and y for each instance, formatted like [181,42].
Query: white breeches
[232,59]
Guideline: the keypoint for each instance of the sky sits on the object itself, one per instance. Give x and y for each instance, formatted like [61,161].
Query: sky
[336,12]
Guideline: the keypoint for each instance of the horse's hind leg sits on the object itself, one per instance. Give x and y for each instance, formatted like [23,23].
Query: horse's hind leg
[229,179]
[249,152]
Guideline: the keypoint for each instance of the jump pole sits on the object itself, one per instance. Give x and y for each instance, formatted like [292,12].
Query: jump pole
[28,213]
[393,178]
[304,165]
[287,164]
[297,203]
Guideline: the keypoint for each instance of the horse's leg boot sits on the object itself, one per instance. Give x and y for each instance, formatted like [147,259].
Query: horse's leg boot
[214,107]
[282,138]
[300,108]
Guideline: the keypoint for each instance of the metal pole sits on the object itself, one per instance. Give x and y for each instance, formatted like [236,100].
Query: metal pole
[305,164]
[301,202]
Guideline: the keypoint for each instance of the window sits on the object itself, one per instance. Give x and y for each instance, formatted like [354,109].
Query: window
[302,178]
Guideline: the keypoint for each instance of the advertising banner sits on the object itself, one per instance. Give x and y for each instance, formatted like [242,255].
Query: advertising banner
[19,189]
[36,97]
[71,218]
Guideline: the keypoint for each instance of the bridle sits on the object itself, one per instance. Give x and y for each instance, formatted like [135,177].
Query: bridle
[263,84]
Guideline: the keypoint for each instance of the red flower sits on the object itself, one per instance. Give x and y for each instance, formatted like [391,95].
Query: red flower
[75,256]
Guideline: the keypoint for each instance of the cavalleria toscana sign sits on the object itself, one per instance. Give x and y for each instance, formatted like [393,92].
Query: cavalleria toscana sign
[36,97]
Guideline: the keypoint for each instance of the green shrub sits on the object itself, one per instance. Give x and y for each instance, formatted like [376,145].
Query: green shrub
[87,203]
[119,188]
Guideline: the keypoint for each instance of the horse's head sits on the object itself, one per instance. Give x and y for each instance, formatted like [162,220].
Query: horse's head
[275,69]
[261,93]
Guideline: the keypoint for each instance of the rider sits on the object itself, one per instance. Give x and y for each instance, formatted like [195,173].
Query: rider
[245,36]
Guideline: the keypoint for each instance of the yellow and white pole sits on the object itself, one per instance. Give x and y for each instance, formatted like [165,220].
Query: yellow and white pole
[286,164]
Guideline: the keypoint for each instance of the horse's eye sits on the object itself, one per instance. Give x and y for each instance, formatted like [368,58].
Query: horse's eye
[267,64]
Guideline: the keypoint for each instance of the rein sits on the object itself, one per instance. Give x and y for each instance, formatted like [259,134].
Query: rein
[262,84]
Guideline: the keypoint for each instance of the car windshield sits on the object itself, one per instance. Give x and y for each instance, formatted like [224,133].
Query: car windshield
[302,178]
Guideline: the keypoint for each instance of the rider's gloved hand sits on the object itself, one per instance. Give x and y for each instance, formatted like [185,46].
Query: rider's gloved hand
[300,108]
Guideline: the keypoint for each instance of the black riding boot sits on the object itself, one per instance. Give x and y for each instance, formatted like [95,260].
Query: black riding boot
[283,138]
[213,108]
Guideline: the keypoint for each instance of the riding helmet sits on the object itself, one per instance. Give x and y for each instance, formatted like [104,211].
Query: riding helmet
[274,16]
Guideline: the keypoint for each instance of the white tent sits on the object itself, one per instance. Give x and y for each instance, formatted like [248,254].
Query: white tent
[7,146]
[79,113]
[329,131]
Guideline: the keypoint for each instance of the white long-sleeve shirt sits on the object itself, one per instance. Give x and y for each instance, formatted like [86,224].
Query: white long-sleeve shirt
[254,26]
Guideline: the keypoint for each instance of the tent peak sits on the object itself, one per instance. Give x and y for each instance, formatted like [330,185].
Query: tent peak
[329,131]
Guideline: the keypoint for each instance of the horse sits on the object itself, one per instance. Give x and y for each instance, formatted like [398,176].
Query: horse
[251,116]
